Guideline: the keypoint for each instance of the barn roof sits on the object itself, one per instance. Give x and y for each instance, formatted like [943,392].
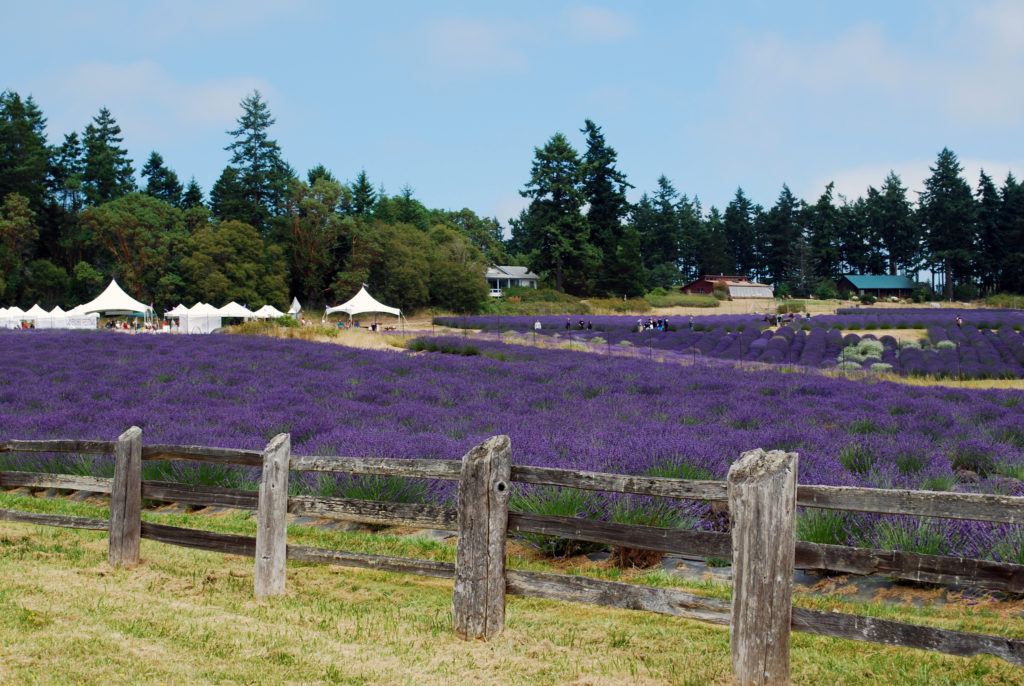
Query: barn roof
[871,282]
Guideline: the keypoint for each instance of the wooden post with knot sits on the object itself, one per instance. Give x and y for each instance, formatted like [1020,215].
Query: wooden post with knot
[762,503]
[478,601]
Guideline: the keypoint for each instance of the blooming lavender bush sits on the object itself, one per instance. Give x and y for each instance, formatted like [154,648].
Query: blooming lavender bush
[561,408]
[993,348]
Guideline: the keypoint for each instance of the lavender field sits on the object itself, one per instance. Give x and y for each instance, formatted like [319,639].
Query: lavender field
[987,344]
[561,409]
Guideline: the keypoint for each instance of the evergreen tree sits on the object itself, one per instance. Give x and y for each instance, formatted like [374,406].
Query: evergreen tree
[604,191]
[24,154]
[107,172]
[66,170]
[656,220]
[552,228]
[319,172]
[894,226]
[991,246]
[193,195]
[781,232]
[227,197]
[738,225]
[855,238]
[263,175]
[163,183]
[18,236]
[947,217]
[1011,229]
[824,227]
[713,254]
[690,223]
[364,197]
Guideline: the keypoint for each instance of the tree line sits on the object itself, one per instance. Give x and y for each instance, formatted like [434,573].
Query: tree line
[74,214]
[581,232]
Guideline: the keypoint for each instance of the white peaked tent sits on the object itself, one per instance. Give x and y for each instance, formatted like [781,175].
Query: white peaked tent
[363,303]
[6,322]
[176,311]
[268,312]
[57,319]
[78,319]
[295,308]
[115,301]
[201,318]
[12,318]
[35,313]
[234,310]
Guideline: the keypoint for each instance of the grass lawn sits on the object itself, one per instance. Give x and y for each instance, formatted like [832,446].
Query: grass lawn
[186,616]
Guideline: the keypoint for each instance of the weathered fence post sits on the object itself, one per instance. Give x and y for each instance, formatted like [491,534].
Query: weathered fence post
[272,518]
[478,601]
[762,503]
[126,500]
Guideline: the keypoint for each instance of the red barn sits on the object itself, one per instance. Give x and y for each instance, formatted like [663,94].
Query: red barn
[737,286]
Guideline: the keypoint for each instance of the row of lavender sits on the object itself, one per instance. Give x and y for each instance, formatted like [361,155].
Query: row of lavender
[561,409]
[980,344]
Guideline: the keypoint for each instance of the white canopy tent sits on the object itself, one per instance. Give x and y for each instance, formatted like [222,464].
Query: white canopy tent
[57,319]
[295,308]
[115,301]
[7,319]
[363,303]
[35,313]
[236,311]
[176,311]
[78,319]
[200,318]
[268,312]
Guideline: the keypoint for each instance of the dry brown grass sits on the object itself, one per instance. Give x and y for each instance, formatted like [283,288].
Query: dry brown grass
[188,617]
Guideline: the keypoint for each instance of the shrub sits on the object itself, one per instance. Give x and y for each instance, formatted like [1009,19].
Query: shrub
[856,458]
[973,458]
[562,502]
[823,526]
[680,300]
[910,462]
[720,291]
[791,306]
[849,366]
[868,299]
[678,469]
[881,367]
[910,537]
[1010,548]
[826,290]
[379,488]
[645,512]
[446,347]
[619,305]
[942,482]
[945,345]
[910,344]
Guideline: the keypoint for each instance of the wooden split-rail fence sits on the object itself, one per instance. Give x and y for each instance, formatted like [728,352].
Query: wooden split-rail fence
[761,491]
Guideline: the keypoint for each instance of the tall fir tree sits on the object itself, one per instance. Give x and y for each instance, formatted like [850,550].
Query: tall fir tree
[107,172]
[263,175]
[604,191]
[192,197]
[713,254]
[894,226]
[991,246]
[947,217]
[689,216]
[824,228]
[657,222]
[1011,228]
[66,169]
[364,197]
[161,182]
[552,229]
[228,199]
[24,154]
[738,225]
[781,233]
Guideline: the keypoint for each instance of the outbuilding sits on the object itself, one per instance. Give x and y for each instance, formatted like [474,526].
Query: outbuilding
[738,287]
[878,285]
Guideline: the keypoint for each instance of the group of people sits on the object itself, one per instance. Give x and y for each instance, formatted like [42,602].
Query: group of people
[581,325]
[136,325]
[652,325]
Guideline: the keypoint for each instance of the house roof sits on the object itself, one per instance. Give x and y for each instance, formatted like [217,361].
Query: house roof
[870,282]
[747,289]
[505,271]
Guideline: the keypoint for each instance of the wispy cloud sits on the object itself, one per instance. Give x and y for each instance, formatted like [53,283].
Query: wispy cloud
[148,102]
[599,24]
[458,47]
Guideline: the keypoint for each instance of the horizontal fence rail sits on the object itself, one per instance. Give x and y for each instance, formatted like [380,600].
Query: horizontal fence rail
[686,543]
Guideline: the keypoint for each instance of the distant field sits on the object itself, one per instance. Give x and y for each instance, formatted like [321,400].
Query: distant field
[188,617]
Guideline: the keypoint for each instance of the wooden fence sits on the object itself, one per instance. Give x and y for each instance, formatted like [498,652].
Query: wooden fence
[761,491]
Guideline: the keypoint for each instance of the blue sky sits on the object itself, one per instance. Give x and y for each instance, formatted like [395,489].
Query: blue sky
[451,97]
